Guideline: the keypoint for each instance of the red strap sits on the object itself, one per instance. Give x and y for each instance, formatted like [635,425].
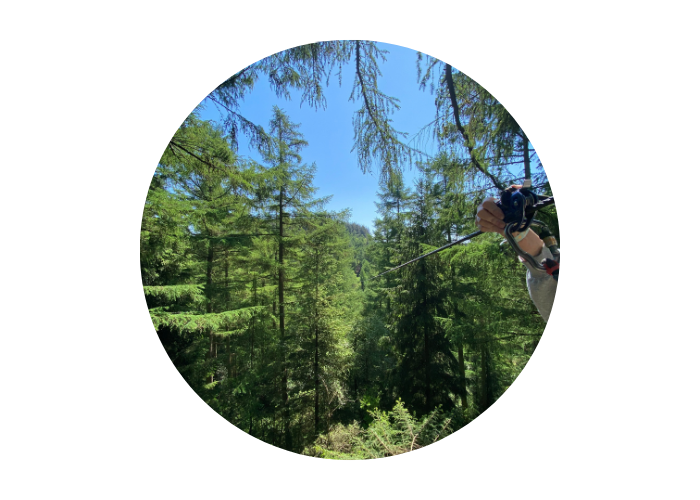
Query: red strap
[551,266]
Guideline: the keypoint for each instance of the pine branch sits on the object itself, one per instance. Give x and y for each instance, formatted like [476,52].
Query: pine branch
[173,143]
[507,337]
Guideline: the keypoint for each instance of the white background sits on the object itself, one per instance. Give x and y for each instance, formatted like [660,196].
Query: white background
[93,408]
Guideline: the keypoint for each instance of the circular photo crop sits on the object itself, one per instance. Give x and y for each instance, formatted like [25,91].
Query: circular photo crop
[349,249]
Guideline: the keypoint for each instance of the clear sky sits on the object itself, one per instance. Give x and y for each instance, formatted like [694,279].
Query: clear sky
[330,133]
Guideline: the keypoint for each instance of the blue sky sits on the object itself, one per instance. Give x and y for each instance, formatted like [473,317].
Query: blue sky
[330,134]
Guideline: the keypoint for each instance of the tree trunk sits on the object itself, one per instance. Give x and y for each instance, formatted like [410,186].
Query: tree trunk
[316,376]
[460,346]
[427,370]
[228,293]
[526,155]
[210,280]
[487,396]
[463,382]
[426,348]
[280,286]
[230,357]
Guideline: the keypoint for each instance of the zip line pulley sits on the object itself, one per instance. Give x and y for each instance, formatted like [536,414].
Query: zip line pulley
[519,207]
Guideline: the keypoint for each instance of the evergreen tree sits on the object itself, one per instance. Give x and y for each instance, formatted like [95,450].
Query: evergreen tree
[289,188]
[188,306]
[426,370]
[326,285]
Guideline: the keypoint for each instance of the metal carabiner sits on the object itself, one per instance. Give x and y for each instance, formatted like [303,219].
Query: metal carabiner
[521,253]
[549,241]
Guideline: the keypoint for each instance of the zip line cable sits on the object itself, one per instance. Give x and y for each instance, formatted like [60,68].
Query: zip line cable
[468,237]
[531,210]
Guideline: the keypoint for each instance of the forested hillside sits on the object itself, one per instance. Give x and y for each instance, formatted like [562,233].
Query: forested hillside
[265,301]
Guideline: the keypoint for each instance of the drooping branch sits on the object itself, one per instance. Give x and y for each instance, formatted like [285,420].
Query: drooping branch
[376,140]
[259,137]
[458,123]
[364,91]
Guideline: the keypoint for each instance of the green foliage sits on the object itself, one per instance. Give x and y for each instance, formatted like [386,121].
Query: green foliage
[266,304]
[388,434]
[205,323]
[172,293]
[492,139]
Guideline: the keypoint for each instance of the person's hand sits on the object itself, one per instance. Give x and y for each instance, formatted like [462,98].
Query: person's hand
[489,218]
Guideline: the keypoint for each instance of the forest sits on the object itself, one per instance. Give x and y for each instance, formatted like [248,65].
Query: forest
[267,302]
